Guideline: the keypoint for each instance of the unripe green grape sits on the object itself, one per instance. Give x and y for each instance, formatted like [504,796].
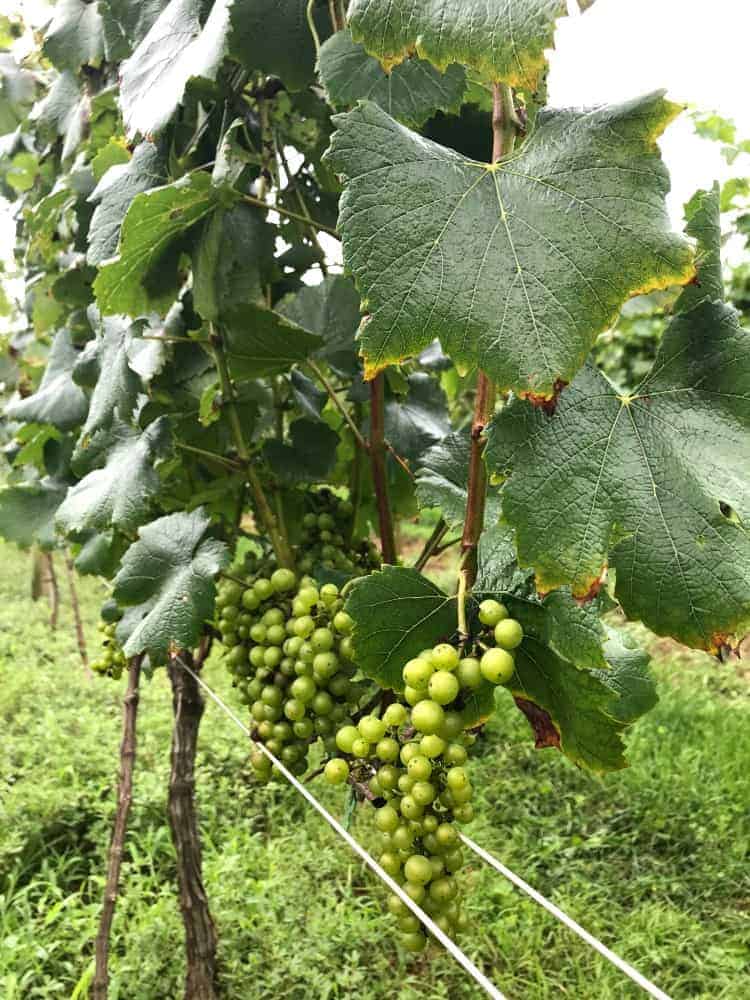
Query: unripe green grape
[390,863]
[402,837]
[272,657]
[274,616]
[323,726]
[309,521]
[405,783]
[491,612]
[387,776]
[469,673]
[306,653]
[497,666]
[371,728]
[304,729]
[299,608]
[445,657]
[396,906]
[456,778]
[417,673]
[455,755]
[361,748]
[464,813]
[329,593]
[452,726]
[283,580]
[346,648]
[415,890]
[413,942]
[322,703]
[412,695]
[263,588]
[275,635]
[386,819]
[443,687]
[410,808]
[304,689]
[339,686]
[409,924]
[271,695]
[508,634]
[304,626]
[309,596]
[428,716]
[258,711]
[387,749]
[343,622]
[462,795]
[395,715]
[257,656]
[275,746]
[454,860]
[423,793]
[419,767]
[339,712]
[294,709]
[325,665]
[444,889]
[336,771]
[437,864]
[409,750]
[258,633]
[293,645]
[432,746]
[231,613]
[418,869]
[322,640]
[345,737]
[446,836]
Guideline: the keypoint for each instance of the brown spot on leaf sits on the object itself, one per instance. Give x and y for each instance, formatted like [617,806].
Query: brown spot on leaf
[591,593]
[545,733]
[546,403]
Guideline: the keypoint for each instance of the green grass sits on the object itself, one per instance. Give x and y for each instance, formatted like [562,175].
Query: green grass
[654,859]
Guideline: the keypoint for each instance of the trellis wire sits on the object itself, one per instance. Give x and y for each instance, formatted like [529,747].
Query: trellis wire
[450,946]
[488,858]
[563,917]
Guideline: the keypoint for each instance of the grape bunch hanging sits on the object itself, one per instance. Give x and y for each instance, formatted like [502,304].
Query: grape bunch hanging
[111,662]
[412,761]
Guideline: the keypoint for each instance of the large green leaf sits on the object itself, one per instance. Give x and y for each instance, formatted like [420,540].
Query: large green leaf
[308,458]
[64,112]
[418,420]
[144,276]
[114,193]
[176,48]
[260,342]
[116,385]
[167,578]
[126,23]
[273,36]
[397,613]
[515,267]
[120,494]
[331,310]
[656,484]
[412,91]
[58,400]
[27,512]
[231,260]
[503,40]
[585,713]
[74,36]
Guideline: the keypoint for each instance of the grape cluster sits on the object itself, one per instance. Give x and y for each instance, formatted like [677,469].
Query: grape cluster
[290,652]
[326,538]
[412,762]
[112,660]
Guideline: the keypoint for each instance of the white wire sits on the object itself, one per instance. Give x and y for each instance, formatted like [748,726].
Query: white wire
[621,964]
[450,945]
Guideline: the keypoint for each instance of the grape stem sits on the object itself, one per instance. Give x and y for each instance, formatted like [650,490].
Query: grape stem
[229,400]
[377,459]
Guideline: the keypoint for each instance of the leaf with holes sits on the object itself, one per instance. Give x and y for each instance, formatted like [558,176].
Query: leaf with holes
[655,484]
[412,91]
[167,581]
[502,41]
[515,267]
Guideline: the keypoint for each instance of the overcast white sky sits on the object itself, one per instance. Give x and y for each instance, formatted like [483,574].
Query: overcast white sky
[698,51]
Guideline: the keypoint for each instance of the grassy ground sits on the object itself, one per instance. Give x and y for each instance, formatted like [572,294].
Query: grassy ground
[653,860]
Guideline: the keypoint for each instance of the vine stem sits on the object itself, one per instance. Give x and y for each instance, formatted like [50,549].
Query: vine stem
[259,203]
[505,126]
[100,984]
[355,478]
[267,517]
[51,586]
[377,459]
[320,375]
[77,620]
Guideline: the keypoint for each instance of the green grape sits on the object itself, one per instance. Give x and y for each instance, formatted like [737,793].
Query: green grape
[395,715]
[469,673]
[443,687]
[417,673]
[345,737]
[497,666]
[371,728]
[419,767]
[427,716]
[387,749]
[491,612]
[508,634]
[432,745]
[445,657]
[283,580]
[336,771]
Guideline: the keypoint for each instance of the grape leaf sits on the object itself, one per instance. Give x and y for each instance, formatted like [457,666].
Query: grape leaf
[125,23]
[114,193]
[167,578]
[397,613]
[501,41]
[260,342]
[420,419]
[654,483]
[100,553]
[27,512]
[120,494]
[176,49]
[309,458]
[230,260]
[58,400]
[274,36]
[584,713]
[331,310]
[412,91]
[515,267]
[144,275]
[74,36]
[64,112]
[309,398]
